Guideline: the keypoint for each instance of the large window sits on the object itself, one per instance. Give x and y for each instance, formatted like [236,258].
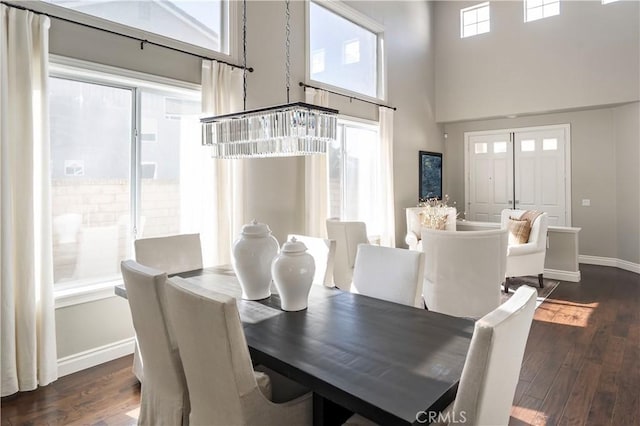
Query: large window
[354,175]
[344,53]
[202,23]
[538,9]
[112,183]
[475,20]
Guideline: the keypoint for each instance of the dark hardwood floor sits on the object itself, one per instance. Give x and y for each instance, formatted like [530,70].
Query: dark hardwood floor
[581,366]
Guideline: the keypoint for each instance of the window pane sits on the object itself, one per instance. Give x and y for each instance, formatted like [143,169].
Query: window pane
[90,166]
[480,148]
[161,171]
[483,27]
[361,178]
[332,33]
[549,144]
[483,13]
[470,17]
[528,145]
[534,14]
[470,30]
[551,9]
[197,22]
[499,147]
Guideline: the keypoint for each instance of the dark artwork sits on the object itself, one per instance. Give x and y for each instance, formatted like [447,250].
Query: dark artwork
[430,175]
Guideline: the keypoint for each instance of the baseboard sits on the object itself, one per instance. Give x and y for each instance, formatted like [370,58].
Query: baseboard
[557,274]
[91,358]
[610,261]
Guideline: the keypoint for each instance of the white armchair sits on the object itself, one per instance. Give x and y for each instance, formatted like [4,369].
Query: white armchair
[414,225]
[463,271]
[527,258]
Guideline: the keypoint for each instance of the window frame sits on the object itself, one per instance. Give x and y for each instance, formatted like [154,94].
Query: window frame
[229,26]
[544,2]
[339,8]
[76,292]
[469,9]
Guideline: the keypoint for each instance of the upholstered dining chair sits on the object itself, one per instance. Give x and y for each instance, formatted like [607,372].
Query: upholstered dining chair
[222,387]
[324,253]
[492,368]
[392,274]
[464,271]
[164,397]
[525,257]
[172,254]
[347,234]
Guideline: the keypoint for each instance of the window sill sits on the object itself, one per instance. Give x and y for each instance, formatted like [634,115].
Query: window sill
[85,293]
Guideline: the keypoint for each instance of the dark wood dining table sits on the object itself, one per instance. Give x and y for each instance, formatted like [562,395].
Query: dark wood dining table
[391,363]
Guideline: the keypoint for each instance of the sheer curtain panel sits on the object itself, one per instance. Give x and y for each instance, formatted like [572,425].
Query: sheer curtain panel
[28,351]
[388,237]
[315,178]
[221,94]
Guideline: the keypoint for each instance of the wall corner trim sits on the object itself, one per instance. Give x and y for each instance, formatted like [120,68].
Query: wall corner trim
[610,261]
[95,356]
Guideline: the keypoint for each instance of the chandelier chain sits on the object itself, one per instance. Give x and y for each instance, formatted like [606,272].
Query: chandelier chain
[288,48]
[244,54]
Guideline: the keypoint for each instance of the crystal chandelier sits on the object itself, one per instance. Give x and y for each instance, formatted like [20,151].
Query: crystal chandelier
[279,131]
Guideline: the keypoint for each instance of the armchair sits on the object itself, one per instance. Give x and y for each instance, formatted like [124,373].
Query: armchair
[414,225]
[526,258]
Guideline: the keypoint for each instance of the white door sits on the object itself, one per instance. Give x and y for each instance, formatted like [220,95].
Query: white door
[526,169]
[539,180]
[490,187]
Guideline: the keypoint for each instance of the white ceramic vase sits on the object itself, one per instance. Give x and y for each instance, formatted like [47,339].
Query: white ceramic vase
[253,253]
[292,272]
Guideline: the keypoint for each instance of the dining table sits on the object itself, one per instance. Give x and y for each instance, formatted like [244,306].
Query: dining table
[391,363]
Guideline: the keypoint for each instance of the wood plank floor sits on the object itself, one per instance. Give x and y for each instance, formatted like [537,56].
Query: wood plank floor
[581,366]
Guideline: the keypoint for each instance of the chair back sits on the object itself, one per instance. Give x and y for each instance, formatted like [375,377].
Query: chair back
[538,234]
[464,271]
[347,236]
[173,254]
[217,365]
[323,252]
[165,399]
[492,368]
[392,274]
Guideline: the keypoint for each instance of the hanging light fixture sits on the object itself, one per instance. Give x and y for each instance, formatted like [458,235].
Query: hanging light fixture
[285,130]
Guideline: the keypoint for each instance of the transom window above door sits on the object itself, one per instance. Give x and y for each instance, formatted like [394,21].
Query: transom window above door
[344,49]
[202,23]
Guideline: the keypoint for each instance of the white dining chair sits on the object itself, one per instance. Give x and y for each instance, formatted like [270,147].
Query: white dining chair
[323,252]
[464,271]
[387,273]
[222,387]
[347,235]
[164,397]
[172,254]
[492,368]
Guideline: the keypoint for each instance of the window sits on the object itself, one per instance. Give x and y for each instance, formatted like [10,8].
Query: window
[351,50]
[608,1]
[354,177]
[474,20]
[538,9]
[109,186]
[202,23]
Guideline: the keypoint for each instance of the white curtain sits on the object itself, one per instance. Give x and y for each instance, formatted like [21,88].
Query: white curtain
[222,94]
[28,351]
[388,237]
[315,177]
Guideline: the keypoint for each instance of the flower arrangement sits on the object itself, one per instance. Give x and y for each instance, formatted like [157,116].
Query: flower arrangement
[435,214]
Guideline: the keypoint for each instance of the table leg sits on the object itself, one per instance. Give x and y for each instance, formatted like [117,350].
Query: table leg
[326,412]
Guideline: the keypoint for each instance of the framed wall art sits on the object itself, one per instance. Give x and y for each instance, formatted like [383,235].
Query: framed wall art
[430,185]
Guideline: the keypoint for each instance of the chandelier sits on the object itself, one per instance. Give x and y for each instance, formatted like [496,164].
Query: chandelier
[291,129]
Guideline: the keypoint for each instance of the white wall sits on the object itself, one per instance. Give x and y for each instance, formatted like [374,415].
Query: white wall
[275,186]
[589,55]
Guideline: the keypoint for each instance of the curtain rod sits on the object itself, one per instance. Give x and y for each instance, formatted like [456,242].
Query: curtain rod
[141,40]
[301,84]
